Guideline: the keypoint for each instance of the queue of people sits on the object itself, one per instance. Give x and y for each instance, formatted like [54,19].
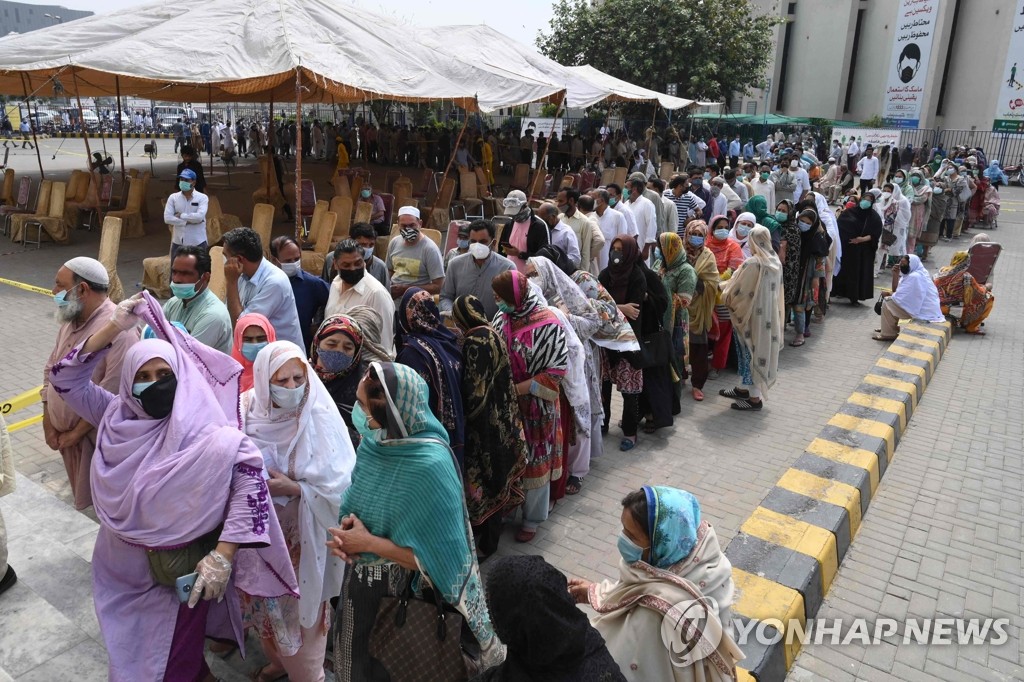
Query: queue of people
[369,433]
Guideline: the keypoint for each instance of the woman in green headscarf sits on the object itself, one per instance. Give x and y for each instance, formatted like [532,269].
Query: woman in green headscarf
[406,487]
[758,205]
[670,558]
[702,307]
[680,280]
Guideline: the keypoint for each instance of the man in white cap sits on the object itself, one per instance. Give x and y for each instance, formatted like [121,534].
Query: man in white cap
[412,260]
[83,307]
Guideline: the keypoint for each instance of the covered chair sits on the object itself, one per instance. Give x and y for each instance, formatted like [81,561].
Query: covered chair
[364,209]
[521,179]
[342,187]
[20,203]
[342,208]
[269,191]
[218,282]
[608,177]
[621,173]
[90,202]
[469,196]
[106,194]
[309,202]
[156,270]
[132,226]
[668,169]
[46,227]
[403,194]
[78,186]
[311,233]
[323,227]
[441,209]
[7,191]
[263,224]
[218,222]
[110,245]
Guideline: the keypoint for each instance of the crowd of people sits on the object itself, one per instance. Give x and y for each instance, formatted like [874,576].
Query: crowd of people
[354,437]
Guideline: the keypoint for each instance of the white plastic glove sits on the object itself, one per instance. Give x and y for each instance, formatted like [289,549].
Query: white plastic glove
[214,571]
[124,317]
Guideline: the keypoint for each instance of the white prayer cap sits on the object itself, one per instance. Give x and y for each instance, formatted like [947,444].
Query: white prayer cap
[89,269]
[409,210]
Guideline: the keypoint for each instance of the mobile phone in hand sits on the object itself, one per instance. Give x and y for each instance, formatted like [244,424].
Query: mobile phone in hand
[184,585]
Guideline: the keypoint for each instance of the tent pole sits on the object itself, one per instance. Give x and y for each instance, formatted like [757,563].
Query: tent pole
[447,168]
[209,121]
[32,126]
[81,122]
[547,146]
[298,154]
[120,125]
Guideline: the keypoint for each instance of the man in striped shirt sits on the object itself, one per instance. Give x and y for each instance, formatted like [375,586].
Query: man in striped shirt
[688,205]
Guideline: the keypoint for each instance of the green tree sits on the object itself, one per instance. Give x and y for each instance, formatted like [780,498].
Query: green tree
[712,49]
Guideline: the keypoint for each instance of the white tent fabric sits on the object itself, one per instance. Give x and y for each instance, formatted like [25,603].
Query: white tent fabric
[625,90]
[249,50]
[585,86]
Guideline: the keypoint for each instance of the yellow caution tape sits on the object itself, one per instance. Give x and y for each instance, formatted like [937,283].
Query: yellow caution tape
[26,287]
[20,402]
[25,423]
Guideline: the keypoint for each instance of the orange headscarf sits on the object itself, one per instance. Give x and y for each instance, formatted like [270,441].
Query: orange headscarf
[245,321]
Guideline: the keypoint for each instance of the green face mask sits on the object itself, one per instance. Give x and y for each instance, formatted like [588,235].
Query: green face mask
[914,180]
[764,177]
[506,308]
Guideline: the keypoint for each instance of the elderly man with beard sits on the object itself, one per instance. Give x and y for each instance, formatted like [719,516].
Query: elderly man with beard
[83,307]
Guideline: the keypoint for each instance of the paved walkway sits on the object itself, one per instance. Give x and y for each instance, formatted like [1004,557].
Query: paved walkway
[942,538]
[728,459]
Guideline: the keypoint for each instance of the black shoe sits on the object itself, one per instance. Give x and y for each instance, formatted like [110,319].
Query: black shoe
[8,580]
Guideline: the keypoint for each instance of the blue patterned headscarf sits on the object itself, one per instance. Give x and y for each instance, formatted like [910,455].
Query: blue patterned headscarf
[673,516]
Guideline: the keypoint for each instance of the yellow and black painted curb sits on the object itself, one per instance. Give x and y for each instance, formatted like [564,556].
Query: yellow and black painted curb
[114,136]
[787,553]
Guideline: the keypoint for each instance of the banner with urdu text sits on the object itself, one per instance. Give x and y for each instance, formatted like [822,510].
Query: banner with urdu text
[908,65]
[1009,116]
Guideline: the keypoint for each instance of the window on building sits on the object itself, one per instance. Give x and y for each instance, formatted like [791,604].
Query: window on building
[736,106]
[791,9]
[751,107]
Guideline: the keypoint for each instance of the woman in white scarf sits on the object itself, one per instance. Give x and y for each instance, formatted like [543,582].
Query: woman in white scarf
[754,296]
[914,297]
[894,209]
[309,458]
[745,222]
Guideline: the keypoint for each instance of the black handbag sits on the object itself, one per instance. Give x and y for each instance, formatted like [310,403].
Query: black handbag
[655,349]
[888,238]
[418,640]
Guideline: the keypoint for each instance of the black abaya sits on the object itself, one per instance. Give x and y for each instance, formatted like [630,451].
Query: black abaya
[856,278]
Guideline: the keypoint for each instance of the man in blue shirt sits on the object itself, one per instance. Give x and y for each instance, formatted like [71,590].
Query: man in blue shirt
[310,291]
[734,151]
[254,285]
[748,152]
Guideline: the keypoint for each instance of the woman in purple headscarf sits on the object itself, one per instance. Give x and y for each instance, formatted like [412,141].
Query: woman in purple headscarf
[178,489]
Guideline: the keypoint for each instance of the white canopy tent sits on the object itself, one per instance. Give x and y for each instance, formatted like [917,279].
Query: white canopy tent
[626,91]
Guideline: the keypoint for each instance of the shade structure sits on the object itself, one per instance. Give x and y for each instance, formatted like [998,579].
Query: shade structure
[250,50]
[624,91]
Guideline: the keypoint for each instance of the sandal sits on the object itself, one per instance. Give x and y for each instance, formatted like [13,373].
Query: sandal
[796,343]
[627,444]
[525,535]
[735,393]
[574,485]
[879,337]
[698,394]
[746,405]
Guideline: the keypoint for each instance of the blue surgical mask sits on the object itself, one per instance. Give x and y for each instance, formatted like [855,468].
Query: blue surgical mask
[721,234]
[612,201]
[365,194]
[334,361]
[781,217]
[506,308]
[183,291]
[742,231]
[463,244]
[804,227]
[657,253]
[287,398]
[251,350]
[61,299]
[140,386]
[184,185]
[367,252]
[865,204]
[629,550]
[697,241]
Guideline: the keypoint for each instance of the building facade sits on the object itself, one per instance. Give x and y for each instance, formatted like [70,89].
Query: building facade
[916,63]
[20,17]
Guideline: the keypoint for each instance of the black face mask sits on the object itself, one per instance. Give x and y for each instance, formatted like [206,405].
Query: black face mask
[905,268]
[907,74]
[351,276]
[158,399]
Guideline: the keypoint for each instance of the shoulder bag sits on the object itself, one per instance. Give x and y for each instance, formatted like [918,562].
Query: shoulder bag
[418,640]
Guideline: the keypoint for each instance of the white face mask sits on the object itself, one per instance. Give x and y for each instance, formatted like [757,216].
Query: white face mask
[479,251]
[886,195]
[291,269]
[367,252]
[287,398]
